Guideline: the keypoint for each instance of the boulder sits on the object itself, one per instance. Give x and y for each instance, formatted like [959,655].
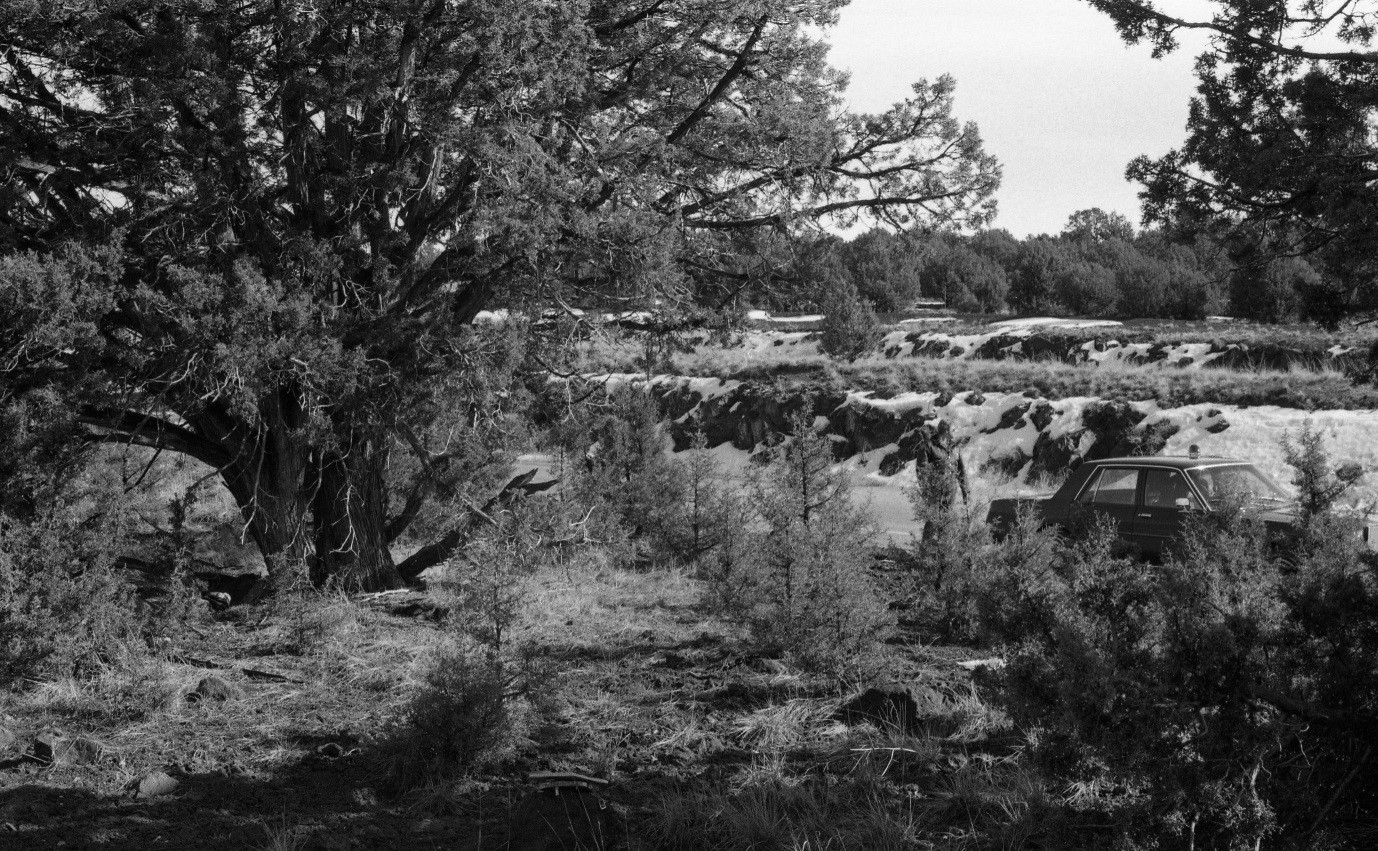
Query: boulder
[56,749]
[155,784]
[1010,418]
[1041,415]
[1113,424]
[52,748]
[215,689]
[1008,465]
[1055,455]
[86,751]
[892,707]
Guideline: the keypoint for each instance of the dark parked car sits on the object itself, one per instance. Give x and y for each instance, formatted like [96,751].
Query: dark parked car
[1149,498]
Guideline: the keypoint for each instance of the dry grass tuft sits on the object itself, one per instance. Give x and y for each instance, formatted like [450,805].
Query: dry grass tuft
[787,725]
[137,689]
[284,836]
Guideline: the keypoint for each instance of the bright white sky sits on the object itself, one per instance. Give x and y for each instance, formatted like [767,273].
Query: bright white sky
[1060,99]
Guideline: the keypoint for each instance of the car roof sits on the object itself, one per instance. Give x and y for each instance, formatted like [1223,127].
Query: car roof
[1176,462]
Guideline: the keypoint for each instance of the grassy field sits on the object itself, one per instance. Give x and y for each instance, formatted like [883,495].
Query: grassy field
[1304,336]
[705,745]
[795,361]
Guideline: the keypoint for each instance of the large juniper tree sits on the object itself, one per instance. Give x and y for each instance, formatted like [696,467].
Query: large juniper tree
[1280,150]
[255,232]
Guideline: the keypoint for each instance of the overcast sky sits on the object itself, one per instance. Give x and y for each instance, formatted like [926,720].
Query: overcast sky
[1060,99]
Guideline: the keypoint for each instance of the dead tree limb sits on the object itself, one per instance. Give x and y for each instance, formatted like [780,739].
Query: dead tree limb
[437,552]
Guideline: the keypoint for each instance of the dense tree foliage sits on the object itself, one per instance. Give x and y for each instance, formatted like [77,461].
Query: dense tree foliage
[1097,225]
[889,278]
[1280,153]
[257,233]
[964,278]
[1098,266]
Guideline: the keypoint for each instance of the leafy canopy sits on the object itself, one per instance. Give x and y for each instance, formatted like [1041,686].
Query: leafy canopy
[282,216]
[1279,152]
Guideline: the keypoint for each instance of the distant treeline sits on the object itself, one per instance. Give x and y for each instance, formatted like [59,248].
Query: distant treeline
[1097,266]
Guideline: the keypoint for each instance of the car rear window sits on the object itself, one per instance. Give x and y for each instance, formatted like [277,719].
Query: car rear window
[1111,486]
[1162,489]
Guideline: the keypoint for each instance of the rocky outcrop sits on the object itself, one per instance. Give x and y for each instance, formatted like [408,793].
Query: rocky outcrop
[1017,435]
[1072,348]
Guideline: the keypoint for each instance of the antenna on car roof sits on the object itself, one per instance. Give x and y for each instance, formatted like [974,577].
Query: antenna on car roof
[1194,451]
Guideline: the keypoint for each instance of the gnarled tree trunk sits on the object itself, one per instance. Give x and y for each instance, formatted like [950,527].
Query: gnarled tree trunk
[350,509]
[267,474]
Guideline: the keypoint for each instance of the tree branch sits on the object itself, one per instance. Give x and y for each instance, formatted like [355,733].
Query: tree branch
[730,77]
[1362,724]
[433,554]
[1122,10]
[148,430]
[629,21]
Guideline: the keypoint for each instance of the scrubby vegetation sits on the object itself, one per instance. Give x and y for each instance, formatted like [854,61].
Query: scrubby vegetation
[351,263]
[801,582]
[1220,698]
[850,328]
[1306,390]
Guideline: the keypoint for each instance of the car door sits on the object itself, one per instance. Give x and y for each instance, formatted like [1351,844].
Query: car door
[1158,522]
[1114,492]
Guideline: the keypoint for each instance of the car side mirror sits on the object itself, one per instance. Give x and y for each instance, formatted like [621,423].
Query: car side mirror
[1183,504]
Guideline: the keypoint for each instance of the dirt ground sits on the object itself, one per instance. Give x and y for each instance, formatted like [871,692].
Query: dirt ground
[647,691]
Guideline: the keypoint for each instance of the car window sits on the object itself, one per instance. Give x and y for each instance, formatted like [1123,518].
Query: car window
[1240,480]
[1162,489]
[1112,486]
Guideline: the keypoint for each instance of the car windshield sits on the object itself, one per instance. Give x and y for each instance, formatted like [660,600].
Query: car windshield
[1243,480]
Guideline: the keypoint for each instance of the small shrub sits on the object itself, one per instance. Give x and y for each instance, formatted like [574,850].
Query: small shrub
[468,715]
[473,708]
[730,566]
[850,326]
[949,564]
[708,512]
[1111,662]
[312,619]
[1318,486]
[802,583]
[489,585]
[622,486]
[126,690]
[64,610]
[854,812]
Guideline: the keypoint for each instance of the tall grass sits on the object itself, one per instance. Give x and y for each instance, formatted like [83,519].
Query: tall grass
[1307,390]
[800,363]
[1304,389]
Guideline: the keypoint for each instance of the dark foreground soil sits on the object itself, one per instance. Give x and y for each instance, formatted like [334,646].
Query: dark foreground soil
[645,690]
